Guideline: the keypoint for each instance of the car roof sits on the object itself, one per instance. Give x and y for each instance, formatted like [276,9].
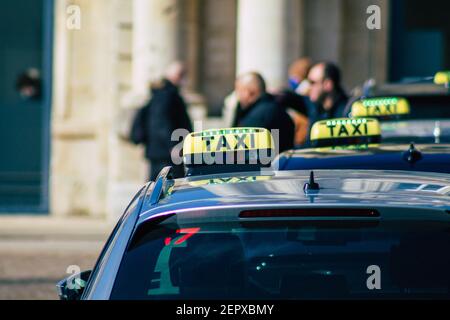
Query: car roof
[432,158]
[443,149]
[276,188]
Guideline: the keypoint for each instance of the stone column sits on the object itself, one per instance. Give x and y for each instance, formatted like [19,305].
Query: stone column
[261,39]
[84,99]
[155,38]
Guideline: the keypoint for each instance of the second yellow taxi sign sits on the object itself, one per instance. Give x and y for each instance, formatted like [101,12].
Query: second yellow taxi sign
[345,131]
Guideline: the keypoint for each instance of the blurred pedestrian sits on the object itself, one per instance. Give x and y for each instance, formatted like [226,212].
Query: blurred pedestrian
[299,108]
[326,91]
[298,75]
[154,123]
[256,108]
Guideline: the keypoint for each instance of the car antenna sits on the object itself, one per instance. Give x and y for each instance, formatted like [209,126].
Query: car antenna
[412,155]
[311,185]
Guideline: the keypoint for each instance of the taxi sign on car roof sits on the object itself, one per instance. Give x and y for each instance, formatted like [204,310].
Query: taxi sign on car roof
[383,108]
[345,131]
[442,77]
[227,150]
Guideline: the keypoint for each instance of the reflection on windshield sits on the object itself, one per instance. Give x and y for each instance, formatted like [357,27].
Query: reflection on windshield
[164,283]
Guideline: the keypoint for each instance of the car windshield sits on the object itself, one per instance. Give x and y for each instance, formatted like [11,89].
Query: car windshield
[288,260]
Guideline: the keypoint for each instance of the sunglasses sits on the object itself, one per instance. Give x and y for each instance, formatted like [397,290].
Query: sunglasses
[311,82]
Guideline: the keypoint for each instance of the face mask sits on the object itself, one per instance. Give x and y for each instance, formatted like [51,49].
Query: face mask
[293,83]
[303,88]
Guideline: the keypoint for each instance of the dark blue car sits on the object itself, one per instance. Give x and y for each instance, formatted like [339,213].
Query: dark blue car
[270,235]
[347,234]
[407,157]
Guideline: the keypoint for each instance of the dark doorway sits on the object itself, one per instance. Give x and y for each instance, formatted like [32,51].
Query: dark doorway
[420,38]
[25,49]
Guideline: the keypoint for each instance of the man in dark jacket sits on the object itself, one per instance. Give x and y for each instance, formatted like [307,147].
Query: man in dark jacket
[165,113]
[326,91]
[257,108]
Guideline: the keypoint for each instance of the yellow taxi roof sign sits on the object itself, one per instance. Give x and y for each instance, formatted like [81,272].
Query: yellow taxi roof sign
[230,139]
[345,131]
[442,77]
[386,107]
[229,146]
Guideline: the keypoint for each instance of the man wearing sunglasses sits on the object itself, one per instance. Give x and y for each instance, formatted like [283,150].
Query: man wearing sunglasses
[326,91]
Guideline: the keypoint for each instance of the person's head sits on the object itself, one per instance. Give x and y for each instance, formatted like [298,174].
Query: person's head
[249,88]
[176,72]
[28,84]
[325,81]
[298,71]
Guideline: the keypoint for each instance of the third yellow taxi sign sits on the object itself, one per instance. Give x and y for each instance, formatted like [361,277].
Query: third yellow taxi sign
[442,77]
[345,131]
[381,107]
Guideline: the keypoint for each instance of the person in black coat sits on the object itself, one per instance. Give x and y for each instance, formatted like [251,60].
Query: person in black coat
[257,108]
[155,123]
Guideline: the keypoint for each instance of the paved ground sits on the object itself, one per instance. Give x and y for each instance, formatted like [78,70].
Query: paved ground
[35,253]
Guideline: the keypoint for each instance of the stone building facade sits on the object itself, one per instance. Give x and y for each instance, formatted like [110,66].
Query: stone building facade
[102,70]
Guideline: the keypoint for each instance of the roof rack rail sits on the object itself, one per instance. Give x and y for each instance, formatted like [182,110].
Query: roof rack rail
[161,185]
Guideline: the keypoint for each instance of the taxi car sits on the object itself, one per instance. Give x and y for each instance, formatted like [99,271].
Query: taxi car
[257,234]
[358,143]
[401,123]
[419,110]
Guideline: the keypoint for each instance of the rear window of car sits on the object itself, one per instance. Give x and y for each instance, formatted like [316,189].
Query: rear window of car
[288,260]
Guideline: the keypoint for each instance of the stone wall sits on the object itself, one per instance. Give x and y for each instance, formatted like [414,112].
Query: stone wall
[90,165]
[335,30]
